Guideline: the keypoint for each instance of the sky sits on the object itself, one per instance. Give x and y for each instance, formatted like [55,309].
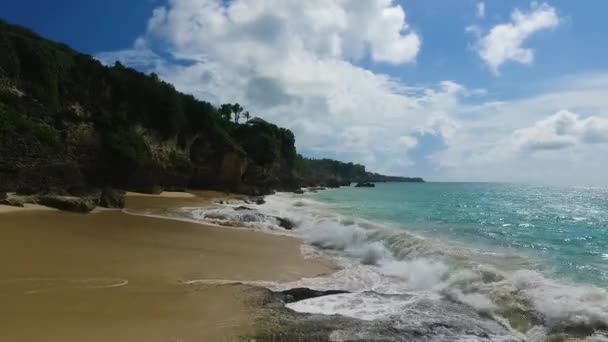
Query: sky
[462,90]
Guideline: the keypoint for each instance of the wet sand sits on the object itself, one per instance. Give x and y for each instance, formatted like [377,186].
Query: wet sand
[112,276]
[27,207]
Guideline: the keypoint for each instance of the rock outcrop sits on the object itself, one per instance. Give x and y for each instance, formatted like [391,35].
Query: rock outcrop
[71,125]
[80,201]
[67,203]
[303,293]
[279,323]
[112,198]
[285,223]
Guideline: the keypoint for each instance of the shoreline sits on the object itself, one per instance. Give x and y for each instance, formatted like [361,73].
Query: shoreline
[78,269]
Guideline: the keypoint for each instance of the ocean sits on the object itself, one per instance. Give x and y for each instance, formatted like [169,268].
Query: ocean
[451,261]
[563,229]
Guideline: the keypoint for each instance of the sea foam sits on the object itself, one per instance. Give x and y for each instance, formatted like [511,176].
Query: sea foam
[420,282]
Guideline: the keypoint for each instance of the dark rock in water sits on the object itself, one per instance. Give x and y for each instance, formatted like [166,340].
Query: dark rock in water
[365,185]
[260,201]
[299,192]
[285,223]
[68,203]
[303,293]
[242,208]
[423,320]
[112,198]
[317,188]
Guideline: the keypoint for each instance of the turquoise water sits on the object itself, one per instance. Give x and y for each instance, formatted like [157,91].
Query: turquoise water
[566,228]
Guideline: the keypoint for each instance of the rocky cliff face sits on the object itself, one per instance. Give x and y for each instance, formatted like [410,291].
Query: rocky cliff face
[69,123]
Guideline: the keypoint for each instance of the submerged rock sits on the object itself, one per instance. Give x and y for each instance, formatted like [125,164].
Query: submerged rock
[242,208]
[365,185]
[303,293]
[299,191]
[285,223]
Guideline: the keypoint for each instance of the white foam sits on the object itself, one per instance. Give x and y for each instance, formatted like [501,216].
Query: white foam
[419,274]
[388,270]
[365,306]
[563,306]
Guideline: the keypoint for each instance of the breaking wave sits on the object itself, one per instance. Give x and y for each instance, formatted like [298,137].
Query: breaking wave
[421,283]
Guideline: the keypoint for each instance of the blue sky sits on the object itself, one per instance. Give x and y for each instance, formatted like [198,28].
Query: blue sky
[448,90]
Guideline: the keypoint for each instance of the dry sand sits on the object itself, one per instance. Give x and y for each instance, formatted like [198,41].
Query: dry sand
[118,277]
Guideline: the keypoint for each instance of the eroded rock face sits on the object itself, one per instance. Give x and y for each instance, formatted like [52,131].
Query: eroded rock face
[68,203]
[232,169]
[112,198]
[216,166]
[333,183]
[78,204]
[13,201]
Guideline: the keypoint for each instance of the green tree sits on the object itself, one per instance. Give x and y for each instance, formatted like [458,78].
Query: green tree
[247,116]
[237,109]
[226,111]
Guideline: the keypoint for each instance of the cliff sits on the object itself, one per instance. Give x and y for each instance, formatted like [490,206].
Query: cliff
[332,173]
[69,123]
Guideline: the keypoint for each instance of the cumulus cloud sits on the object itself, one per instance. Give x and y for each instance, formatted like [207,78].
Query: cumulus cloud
[532,138]
[324,29]
[296,63]
[562,130]
[504,42]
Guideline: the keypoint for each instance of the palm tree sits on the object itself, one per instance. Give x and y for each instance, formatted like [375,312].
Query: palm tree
[247,116]
[237,110]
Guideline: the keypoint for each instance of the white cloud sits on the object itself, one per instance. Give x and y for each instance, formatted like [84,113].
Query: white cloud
[504,42]
[408,142]
[481,9]
[325,29]
[562,130]
[295,64]
[532,138]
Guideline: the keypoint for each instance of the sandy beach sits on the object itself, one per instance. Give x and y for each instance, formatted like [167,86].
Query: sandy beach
[113,276]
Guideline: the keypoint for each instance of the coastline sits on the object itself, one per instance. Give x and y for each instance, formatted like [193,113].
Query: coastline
[116,276]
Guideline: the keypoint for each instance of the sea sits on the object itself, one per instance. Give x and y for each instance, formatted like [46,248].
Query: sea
[450,261]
